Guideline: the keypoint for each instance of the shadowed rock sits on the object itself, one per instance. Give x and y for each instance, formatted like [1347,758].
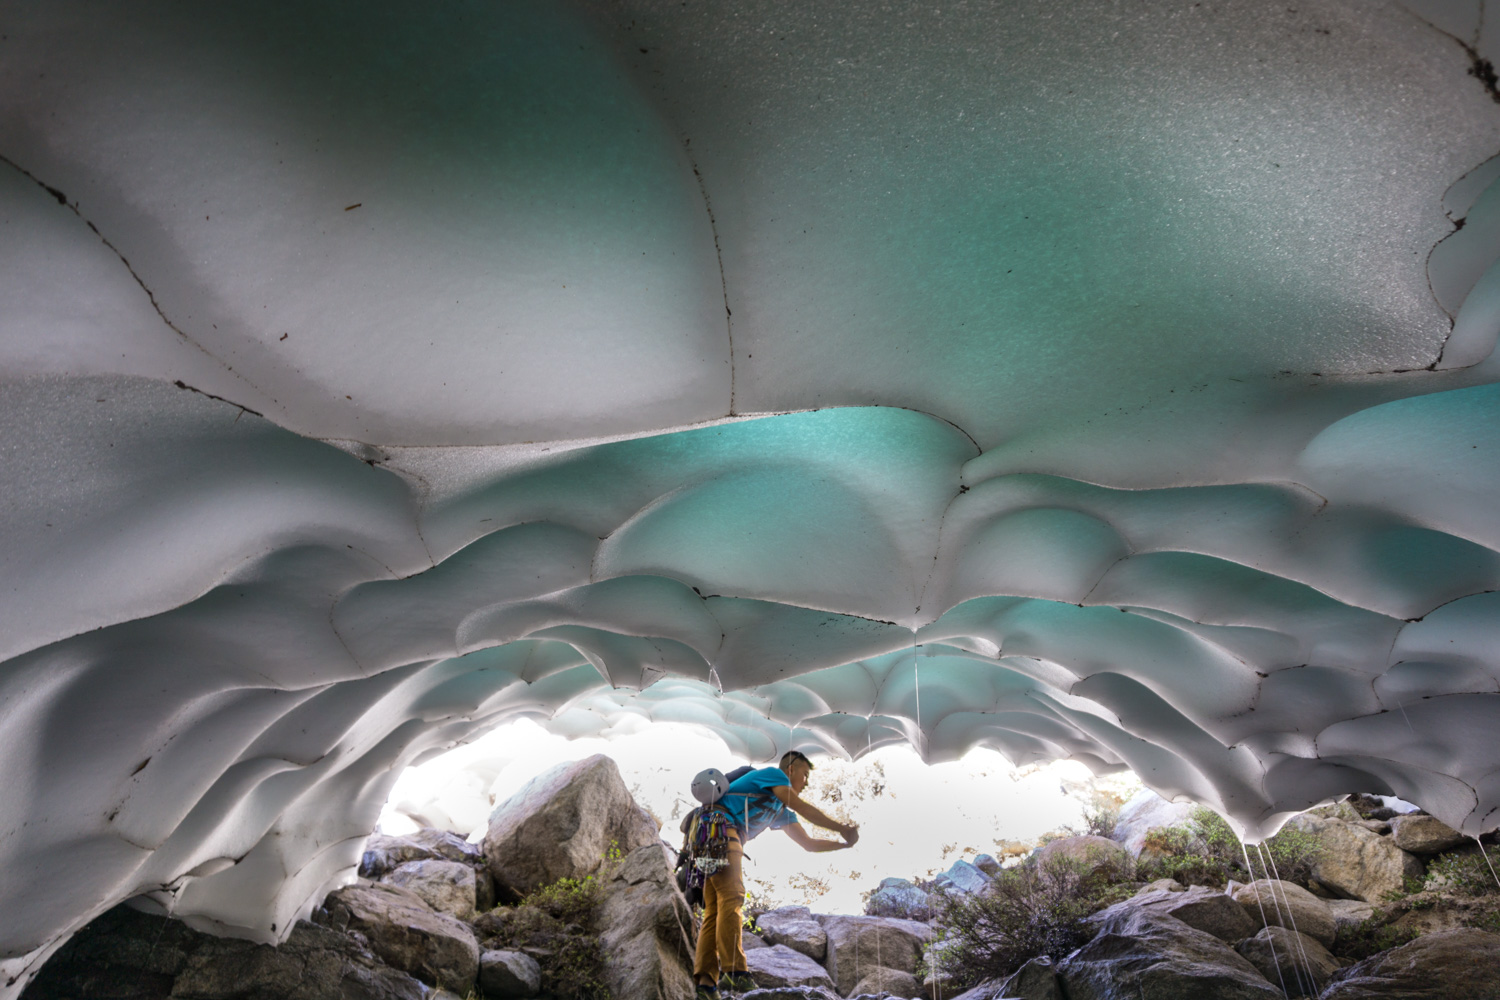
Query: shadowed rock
[796,928]
[779,965]
[1285,904]
[1451,965]
[1290,959]
[1143,954]
[407,934]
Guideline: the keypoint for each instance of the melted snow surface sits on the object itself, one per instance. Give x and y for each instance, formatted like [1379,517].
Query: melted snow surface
[1088,381]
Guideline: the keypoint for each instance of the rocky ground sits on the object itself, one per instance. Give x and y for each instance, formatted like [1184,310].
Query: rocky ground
[572,895]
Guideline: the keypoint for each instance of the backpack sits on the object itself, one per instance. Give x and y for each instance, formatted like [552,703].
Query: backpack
[705,841]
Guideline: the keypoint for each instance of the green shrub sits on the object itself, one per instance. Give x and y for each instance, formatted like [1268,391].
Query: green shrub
[559,924]
[1101,822]
[1461,874]
[1369,937]
[1030,910]
[1207,852]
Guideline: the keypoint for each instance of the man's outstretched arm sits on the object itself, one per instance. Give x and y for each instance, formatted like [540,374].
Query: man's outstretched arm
[817,817]
[808,842]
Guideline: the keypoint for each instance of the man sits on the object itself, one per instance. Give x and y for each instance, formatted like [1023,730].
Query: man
[766,799]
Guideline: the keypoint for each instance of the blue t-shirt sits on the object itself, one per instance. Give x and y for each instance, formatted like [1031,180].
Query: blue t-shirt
[753,807]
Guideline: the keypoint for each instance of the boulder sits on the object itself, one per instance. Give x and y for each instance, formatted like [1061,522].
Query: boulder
[1349,913]
[858,944]
[1036,980]
[1270,903]
[1139,953]
[1442,917]
[963,877]
[1289,959]
[1147,811]
[127,954]
[1356,863]
[750,941]
[562,824]
[795,928]
[779,965]
[1094,851]
[407,934]
[1450,965]
[1162,885]
[446,886]
[987,864]
[509,975]
[1423,834]
[791,993]
[878,980]
[1200,907]
[899,897]
[646,928]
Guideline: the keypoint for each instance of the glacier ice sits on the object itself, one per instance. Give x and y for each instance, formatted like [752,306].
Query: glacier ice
[1103,382]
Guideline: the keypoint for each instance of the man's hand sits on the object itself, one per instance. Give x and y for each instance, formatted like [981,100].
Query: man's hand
[850,833]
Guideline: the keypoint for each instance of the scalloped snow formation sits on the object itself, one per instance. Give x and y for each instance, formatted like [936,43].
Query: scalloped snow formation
[1112,382]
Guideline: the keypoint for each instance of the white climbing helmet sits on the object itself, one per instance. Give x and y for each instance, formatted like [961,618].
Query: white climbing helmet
[710,785]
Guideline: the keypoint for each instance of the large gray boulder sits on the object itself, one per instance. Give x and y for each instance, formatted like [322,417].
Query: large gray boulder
[796,928]
[446,886]
[791,993]
[562,824]
[1451,965]
[509,975]
[1271,903]
[1147,811]
[1291,960]
[858,944]
[899,897]
[646,929]
[1356,863]
[1423,834]
[1138,953]
[894,982]
[1096,852]
[1200,907]
[407,934]
[779,965]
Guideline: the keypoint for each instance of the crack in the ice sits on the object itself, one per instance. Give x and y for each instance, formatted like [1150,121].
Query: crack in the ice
[62,199]
[713,226]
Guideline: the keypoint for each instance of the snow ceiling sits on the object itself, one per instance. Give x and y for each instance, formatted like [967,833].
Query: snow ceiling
[1099,380]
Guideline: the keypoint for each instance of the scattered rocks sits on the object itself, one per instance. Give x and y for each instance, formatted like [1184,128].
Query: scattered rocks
[1423,834]
[125,954]
[1451,965]
[899,897]
[858,944]
[1357,863]
[646,928]
[446,886]
[1288,958]
[1349,913]
[1286,904]
[894,982]
[1094,851]
[407,934]
[562,823]
[795,928]
[963,877]
[1138,953]
[791,993]
[779,965]
[509,975]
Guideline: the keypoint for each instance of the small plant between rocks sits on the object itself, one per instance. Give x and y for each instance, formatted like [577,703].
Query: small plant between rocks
[1030,910]
[1207,852]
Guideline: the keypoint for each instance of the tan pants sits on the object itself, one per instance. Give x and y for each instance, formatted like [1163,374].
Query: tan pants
[720,944]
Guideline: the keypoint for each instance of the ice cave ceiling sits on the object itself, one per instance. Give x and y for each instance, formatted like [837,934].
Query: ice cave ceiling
[1093,380]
